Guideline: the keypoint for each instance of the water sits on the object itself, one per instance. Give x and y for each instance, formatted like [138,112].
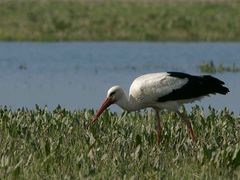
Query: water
[76,75]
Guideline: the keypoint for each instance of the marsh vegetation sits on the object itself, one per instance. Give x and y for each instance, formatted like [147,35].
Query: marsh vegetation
[62,20]
[58,144]
[211,67]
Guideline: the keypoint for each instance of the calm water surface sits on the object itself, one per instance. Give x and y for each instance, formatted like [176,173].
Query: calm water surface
[76,75]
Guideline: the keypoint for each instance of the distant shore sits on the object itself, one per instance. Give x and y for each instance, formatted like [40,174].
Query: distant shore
[126,20]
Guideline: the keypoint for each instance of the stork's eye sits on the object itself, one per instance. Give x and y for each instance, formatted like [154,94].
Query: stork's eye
[112,93]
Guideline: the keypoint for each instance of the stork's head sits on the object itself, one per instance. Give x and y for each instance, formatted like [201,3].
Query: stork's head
[114,94]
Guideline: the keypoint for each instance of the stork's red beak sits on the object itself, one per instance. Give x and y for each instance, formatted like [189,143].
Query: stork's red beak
[106,103]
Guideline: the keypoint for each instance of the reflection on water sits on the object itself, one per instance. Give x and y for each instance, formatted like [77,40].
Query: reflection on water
[77,75]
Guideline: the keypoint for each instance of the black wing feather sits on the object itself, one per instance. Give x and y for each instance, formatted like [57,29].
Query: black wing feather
[197,86]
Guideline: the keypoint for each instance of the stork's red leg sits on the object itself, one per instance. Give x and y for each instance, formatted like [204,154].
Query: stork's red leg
[189,125]
[158,127]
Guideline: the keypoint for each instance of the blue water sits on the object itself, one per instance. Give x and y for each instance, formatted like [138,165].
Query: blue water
[76,75]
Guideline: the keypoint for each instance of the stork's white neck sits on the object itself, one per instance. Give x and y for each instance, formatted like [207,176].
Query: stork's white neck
[127,104]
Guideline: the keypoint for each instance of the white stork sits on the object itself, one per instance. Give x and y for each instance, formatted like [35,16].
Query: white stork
[166,90]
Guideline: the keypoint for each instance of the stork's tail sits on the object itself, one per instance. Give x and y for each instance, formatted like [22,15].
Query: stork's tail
[214,85]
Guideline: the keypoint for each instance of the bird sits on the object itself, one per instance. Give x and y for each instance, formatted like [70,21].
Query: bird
[163,91]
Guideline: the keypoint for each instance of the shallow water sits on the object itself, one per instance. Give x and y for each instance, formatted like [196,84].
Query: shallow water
[76,75]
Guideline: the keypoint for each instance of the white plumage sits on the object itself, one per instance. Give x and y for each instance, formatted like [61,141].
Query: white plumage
[147,88]
[166,90]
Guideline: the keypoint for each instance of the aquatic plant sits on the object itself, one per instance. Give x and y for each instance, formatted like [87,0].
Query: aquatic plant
[62,144]
[210,67]
[22,66]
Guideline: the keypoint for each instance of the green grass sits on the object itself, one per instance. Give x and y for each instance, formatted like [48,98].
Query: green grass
[119,20]
[210,67]
[61,144]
